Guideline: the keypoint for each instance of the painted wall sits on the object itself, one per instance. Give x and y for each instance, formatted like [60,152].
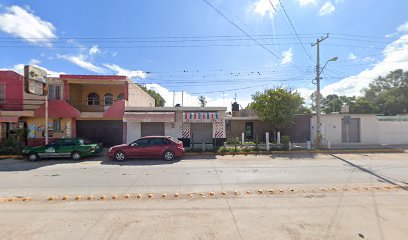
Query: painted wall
[133,131]
[138,97]
[14,88]
[372,131]
[36,125]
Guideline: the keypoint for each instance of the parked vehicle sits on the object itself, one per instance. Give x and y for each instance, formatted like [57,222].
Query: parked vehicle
[164,147]
[75,148]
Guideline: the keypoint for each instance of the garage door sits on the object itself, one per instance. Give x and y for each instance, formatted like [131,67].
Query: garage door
[109,132]
[201,132]
[152,129]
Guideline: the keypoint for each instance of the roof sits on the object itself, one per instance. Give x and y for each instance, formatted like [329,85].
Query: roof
[167,109]
[93,77]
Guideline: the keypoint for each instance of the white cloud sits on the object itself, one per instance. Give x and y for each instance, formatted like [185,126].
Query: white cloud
[192,100]
[21,23]
[352,56]
[403,27]
[94,50]
[395,57]
[19,68]
[304,3]
[125,72]
[34,62]
[326,9]
[263,7]
[287,56]
[82,61]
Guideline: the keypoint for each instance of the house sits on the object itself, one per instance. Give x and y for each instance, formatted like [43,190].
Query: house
[247,121]
[90,106]
[192,125]
[341,129]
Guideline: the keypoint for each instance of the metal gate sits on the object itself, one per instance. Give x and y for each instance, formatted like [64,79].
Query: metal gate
[152,129]
[201,133]
[108,132]
[350,130]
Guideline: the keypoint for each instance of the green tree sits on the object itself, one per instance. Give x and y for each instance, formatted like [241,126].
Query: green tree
[159,100]
[390,93]
[277,106]
[202,100]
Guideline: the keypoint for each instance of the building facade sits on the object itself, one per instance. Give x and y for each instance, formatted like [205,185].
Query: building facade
[194,126]
[90,106]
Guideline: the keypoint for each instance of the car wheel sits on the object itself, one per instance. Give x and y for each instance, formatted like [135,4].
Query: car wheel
[168,155]
[76,156]
[120,156]
[32,157]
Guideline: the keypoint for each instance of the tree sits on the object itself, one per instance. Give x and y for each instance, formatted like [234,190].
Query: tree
[390,93]
[202,100]
[277,106]
[158,99]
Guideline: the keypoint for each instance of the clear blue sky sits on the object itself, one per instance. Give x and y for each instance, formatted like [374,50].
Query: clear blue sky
[185,45]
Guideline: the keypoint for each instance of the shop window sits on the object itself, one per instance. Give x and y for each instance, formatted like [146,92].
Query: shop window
[54,92]
[108,99]
[2,92]
[57,125]
[93,99]
[121,96]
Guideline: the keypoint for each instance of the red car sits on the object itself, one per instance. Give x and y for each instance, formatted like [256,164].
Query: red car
[164,147]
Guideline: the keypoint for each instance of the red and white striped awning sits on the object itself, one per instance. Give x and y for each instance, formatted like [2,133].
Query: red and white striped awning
[149,117]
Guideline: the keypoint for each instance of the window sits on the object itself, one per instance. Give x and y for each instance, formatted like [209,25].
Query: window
[159,141]
[2,92]
[141,142]
[121,96]
[93,99]
[57,125]
[54,92]
[108,99]
[68,143]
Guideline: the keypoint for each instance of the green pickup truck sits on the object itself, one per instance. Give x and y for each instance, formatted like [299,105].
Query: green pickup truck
[75,148]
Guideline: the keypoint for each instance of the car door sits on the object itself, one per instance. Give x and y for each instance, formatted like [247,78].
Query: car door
[67,147]
[51,150]
[138,149]
[157,147]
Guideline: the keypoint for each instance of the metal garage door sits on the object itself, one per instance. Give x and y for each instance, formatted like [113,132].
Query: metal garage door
[201,132]
[109,132]
[350,130]
[152,129]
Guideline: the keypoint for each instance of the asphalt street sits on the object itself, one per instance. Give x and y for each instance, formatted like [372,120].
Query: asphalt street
[340,196]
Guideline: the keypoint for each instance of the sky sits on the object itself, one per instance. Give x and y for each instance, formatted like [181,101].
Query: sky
[221,49]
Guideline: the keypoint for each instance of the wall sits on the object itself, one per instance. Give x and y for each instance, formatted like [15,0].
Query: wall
[138,97]
[14,84]
[133,131]
[393,132]
[39,123]
[101,90]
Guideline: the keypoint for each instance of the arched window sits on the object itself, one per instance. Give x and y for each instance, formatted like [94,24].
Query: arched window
[108,99]
[121,96]
[93,99]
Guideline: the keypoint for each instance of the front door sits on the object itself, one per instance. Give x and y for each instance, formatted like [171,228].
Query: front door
[249,131]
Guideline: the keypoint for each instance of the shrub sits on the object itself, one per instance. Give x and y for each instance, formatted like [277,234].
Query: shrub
[285,140]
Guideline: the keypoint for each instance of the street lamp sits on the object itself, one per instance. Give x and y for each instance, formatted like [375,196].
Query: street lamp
[319,71]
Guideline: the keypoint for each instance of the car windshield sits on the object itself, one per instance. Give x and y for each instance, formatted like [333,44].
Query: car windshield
[84,141]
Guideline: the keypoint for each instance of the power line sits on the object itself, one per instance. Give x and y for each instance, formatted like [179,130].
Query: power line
[293,28]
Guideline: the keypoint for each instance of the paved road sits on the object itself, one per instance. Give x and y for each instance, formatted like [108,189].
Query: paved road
[102,176]
[313,210]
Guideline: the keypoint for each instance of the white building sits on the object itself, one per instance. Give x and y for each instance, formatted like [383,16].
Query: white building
[361,129]
[192,125]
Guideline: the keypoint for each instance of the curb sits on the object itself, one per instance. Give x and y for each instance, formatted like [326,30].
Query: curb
[8,156]
[301,152]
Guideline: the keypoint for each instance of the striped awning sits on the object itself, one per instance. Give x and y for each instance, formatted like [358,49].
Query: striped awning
[200,115]
[149,117]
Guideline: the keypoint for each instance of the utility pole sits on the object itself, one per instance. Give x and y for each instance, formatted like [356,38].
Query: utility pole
[174,97]
[317,44]
[182,98]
